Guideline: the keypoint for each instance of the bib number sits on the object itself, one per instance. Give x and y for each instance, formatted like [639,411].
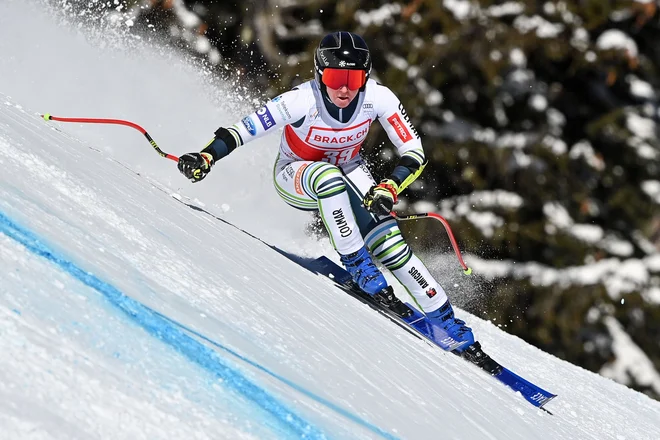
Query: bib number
[339,157]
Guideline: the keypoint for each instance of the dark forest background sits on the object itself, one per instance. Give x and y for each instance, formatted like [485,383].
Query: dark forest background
[540,123]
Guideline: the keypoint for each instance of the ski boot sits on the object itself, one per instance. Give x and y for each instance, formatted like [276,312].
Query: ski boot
[364,272]
[370,280]
[455,328]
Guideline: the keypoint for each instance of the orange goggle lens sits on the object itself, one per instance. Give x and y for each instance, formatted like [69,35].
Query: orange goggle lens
[336,78]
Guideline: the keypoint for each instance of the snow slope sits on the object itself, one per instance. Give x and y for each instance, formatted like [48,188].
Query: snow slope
[125,313]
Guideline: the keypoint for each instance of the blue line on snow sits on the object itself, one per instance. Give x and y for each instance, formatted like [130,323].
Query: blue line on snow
[349,415]
[163,330]
[174,334]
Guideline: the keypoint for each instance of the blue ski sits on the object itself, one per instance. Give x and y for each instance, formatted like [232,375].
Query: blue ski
[425,329]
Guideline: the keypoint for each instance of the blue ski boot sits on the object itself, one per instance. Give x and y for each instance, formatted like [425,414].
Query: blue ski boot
[455,328]
[371,281]
[363,271]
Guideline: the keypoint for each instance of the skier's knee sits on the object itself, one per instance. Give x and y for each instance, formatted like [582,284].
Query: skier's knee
[388,245]
[326,180]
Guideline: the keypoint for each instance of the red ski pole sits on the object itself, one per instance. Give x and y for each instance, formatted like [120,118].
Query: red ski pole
[466,270]
[49,117]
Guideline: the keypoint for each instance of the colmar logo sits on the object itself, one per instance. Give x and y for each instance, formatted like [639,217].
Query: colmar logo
[400,128]
[342,224]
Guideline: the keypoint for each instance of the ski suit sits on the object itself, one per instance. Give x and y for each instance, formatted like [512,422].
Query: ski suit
[319,167]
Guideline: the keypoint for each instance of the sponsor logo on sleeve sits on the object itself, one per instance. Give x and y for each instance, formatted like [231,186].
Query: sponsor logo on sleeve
[283,110]
[265,117]
[249,125]
[399,127]
[407,119]
[281,107]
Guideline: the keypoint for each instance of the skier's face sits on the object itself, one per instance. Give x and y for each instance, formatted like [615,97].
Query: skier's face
[342,96]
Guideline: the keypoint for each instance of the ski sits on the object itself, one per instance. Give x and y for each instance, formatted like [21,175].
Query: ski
[419,326]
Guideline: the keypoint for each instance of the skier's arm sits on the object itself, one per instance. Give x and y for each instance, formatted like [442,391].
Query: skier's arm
[394,119]
[276,113]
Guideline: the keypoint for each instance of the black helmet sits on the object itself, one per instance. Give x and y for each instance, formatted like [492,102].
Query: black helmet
[341,50]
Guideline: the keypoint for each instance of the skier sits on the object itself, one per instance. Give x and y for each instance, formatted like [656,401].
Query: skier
[319,167]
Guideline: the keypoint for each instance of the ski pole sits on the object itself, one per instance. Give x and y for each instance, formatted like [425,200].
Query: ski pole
[466,270]
[49,117]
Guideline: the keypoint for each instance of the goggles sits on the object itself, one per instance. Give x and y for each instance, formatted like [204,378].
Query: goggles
[336,78]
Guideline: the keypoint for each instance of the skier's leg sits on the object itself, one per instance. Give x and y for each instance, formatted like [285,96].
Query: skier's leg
[319,185]
[386,243]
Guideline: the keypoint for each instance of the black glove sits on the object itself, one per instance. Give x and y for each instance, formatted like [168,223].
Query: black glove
[381,198]
[195,166]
